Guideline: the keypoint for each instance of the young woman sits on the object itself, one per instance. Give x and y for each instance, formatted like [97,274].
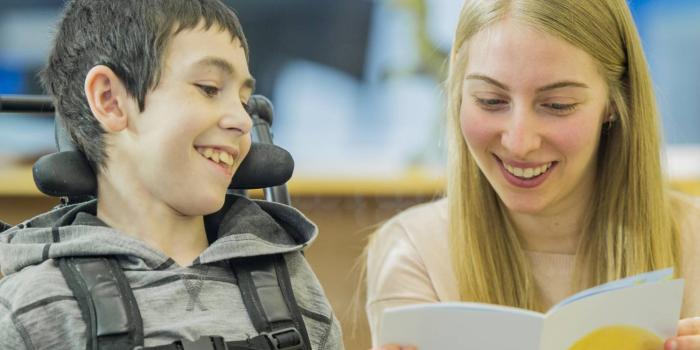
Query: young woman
[555,180]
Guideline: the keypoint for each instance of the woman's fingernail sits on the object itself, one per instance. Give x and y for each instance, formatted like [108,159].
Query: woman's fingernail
[671,345]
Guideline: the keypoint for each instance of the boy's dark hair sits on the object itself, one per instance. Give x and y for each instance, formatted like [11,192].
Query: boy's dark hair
[128,36]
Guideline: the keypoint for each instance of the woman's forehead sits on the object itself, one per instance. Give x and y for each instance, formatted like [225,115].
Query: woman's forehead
[519,54]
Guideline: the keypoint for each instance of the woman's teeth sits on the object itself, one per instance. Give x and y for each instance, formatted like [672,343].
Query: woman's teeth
[527,173]
[216,155]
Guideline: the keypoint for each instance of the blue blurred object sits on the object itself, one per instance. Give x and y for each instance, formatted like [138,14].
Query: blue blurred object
[11,81]
[28,136]
[354,92]
[670,32]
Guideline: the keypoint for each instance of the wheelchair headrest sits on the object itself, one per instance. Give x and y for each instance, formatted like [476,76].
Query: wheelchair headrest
[261,107]
[67,172]
[64,174]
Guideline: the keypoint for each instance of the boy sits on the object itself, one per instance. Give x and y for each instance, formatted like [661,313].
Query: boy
[154,94]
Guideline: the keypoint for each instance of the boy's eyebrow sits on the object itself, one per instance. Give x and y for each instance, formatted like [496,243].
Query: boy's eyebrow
[226,68]
[557,85]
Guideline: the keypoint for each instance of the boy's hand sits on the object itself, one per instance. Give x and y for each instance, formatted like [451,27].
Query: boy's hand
[688,337]
[394,347]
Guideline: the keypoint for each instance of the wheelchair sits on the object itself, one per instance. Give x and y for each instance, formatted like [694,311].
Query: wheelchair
[103,290]
[66,174]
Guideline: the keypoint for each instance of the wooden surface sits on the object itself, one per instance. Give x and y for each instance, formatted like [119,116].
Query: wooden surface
[346,212]
[18,182]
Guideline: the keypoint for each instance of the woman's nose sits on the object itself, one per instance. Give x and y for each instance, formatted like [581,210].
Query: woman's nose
[521,135]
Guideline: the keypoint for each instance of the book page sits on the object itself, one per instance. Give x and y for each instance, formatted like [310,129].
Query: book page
[638,317]
[642,278]
[461,326]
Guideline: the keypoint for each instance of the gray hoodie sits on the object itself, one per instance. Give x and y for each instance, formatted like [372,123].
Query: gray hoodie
[38,310]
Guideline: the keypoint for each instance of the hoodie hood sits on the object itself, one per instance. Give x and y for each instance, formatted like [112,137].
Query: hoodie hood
[242,228]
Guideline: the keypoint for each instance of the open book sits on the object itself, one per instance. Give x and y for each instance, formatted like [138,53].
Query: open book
[635,313]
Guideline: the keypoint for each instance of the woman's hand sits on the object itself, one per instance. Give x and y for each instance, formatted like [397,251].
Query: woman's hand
[394,347]
[688,337]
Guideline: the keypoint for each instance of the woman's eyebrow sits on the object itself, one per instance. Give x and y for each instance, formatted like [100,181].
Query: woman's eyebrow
[488,80]
[557,85]
[562,84]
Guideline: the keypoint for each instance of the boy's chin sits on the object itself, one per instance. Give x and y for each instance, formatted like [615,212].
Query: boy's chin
[200,206]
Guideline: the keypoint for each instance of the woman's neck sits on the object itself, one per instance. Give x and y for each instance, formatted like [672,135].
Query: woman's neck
[556,231]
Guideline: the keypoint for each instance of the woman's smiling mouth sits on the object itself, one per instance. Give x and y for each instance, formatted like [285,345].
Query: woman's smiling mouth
[525,175]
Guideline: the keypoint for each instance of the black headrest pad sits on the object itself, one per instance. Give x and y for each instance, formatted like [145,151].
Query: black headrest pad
[64,174]
[68,173]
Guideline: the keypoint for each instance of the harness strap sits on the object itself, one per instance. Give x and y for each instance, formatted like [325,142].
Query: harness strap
[266,289]
[113,320]
[4,226]
[106,302]
[217,343]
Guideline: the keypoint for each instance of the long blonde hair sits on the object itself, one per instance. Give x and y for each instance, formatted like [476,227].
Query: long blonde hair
[630,228]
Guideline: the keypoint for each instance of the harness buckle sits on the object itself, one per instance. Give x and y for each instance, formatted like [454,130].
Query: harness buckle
[203,343]
[285,339]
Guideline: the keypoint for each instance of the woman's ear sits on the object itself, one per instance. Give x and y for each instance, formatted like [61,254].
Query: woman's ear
[610,114]
[107,98]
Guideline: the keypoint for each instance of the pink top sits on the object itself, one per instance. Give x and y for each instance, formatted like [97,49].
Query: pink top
[408,262]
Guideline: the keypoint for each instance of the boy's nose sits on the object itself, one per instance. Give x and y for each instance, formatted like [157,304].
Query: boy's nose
[235,117]
[521,136]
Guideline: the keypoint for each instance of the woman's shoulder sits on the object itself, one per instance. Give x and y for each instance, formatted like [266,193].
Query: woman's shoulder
[417,234]
[686,209]
[425,221]
[425,215]
[409,257]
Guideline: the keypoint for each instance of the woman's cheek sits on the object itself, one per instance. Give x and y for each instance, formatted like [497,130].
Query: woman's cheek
[576,135]
[476,128]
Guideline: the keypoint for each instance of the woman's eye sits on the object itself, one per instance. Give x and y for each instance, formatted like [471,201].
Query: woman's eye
[491,103]
[208,90]
[561,108]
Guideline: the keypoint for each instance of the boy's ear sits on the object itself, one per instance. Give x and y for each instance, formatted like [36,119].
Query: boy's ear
[107,98]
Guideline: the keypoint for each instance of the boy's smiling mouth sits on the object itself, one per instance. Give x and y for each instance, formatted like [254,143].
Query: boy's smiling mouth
[224,159]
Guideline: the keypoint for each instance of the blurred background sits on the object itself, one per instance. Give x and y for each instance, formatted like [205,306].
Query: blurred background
[357,89]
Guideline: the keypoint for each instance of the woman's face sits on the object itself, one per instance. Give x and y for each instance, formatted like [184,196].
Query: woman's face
[531,114]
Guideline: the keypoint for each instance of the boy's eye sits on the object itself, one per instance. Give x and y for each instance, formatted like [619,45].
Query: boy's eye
[208,90]
[491,104]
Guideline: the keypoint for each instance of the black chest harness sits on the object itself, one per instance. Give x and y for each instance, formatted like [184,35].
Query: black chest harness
[113,320]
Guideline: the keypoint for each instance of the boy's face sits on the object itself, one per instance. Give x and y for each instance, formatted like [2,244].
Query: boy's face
[184,148]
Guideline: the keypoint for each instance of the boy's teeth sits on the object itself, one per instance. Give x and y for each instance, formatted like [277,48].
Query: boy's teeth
[527,173]
[226,158]
[216,155]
